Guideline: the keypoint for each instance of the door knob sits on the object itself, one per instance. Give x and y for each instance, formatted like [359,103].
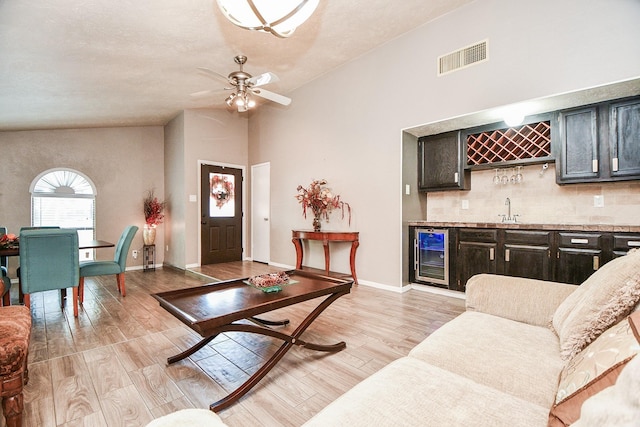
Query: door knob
[266,219]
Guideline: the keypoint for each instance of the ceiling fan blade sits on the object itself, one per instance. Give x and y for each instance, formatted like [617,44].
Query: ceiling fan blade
[215,75]
[271,96]
[263,79]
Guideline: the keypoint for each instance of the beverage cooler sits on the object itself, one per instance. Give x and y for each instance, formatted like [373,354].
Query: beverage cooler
[431,255]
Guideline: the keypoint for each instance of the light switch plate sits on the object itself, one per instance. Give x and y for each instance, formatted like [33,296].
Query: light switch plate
[193,198]
[407,189]
[465,204]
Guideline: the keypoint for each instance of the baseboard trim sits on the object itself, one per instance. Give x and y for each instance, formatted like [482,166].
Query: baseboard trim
[437,291]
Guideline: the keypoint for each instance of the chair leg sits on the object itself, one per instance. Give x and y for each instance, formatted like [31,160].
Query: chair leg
[27,300]
[13,404]
[121,288]
[6,298]
[81,290]
[75,301]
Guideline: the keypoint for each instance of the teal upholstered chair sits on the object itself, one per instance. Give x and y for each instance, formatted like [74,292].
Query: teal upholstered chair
[117,266]
[48,261]
[48,227]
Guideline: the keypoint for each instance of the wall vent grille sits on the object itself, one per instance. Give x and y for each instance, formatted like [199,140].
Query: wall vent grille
[463,58]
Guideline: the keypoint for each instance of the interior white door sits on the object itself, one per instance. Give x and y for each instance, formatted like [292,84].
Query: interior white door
[260,212]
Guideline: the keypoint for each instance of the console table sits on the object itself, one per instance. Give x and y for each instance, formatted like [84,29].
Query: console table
[325,237]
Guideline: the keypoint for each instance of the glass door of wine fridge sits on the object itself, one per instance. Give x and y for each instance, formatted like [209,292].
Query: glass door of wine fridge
[431,255]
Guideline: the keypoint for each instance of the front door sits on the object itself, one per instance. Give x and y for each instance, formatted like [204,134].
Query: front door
[221,216]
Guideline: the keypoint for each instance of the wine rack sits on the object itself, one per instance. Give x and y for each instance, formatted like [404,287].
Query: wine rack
[526,142]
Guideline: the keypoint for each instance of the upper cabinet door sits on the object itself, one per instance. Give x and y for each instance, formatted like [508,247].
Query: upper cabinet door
[624,138]
[441,163]
[578,156]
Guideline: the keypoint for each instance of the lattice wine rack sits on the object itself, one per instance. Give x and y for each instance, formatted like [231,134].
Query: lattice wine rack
[526,142]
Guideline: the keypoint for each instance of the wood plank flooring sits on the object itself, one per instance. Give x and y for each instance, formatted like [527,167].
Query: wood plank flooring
[108,366]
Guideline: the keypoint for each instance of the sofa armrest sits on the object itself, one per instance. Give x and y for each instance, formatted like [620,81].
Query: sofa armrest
[524,300]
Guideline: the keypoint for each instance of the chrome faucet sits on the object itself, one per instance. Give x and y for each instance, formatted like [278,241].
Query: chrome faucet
[508,217]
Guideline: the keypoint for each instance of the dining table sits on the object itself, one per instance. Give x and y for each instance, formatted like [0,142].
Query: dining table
[14,250]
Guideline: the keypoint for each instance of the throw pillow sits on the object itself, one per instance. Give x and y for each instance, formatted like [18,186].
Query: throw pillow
[617,405]
[607,296]
[594,369]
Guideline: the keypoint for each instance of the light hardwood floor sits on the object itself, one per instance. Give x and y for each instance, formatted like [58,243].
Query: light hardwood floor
[108,366]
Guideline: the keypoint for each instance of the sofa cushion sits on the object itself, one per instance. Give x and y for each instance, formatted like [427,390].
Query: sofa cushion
[601,301]
[594,369]
[617,405]
[410,392]
[516,358]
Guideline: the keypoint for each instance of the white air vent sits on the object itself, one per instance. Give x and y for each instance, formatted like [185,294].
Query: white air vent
[462,58]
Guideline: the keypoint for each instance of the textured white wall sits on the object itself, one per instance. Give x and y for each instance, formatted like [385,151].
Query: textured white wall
[346,126]
[123,163]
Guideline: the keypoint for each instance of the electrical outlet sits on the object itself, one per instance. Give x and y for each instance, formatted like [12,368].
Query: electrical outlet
[598,201]
[134,254]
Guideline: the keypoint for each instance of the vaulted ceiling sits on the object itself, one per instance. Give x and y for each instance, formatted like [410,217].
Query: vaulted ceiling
[89,63]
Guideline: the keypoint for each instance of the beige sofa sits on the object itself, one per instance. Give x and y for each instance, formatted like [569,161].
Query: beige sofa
[522,349]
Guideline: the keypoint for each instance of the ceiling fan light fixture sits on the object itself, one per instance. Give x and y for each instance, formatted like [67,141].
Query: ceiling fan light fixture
[279,18]
[229,100]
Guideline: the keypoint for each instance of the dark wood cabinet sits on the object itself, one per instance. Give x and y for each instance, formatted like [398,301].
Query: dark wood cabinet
[477,250]
[623,243]
[578,256]
[579,151]
[624,139]
[527,253]
[557,255]
[441,163]
[598,143]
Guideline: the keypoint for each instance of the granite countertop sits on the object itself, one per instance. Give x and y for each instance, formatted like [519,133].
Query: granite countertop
[524,226]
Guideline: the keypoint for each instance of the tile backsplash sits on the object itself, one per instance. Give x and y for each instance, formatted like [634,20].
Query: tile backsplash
[537,200]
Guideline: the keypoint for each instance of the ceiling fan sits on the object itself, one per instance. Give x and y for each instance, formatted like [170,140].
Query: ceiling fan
[244,86]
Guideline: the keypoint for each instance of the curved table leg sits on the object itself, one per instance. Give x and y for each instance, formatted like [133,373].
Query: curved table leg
[327,256]
[352,260]
[299,254]
[289,342]
[266,322]
[188,352]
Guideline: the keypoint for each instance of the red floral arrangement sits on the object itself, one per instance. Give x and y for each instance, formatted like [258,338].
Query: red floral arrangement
[8,240]
[153,209]
[320,200]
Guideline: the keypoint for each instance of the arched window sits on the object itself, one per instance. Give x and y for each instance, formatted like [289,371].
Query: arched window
[64,198]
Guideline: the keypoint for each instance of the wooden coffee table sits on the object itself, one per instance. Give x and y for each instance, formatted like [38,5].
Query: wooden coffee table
[216,308]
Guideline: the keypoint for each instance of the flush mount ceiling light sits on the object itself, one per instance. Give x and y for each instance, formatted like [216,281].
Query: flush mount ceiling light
[278,17]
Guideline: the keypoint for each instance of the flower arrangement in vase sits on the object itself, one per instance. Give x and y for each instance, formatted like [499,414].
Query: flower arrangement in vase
[153,215]
[321,201]
[8,240]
